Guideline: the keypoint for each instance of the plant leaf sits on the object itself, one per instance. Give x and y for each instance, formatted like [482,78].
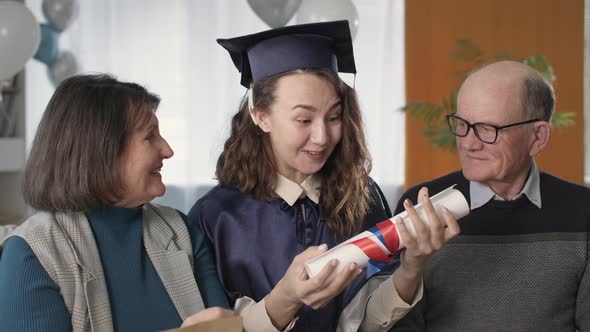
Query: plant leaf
[440,137]
[540,63]
[562,120]
[453,101]
[445,103]
[465,50]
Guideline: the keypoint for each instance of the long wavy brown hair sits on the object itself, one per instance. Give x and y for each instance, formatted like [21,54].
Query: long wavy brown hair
[247,159]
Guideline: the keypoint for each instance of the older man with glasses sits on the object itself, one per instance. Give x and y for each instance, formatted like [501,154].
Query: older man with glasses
[521,261]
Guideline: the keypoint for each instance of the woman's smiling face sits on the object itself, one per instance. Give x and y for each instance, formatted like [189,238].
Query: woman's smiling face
[304,124]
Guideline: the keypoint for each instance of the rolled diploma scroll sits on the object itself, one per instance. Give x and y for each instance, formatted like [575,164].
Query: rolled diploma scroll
[347,252]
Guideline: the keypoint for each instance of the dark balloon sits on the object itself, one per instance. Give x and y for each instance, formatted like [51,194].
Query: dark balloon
[60,13]
[275,13]
[65,66]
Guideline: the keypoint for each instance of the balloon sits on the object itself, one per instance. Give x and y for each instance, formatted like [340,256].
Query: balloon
[66,66]
[48,51]
[19,37]
[312,11]
[275,13]
[60,13]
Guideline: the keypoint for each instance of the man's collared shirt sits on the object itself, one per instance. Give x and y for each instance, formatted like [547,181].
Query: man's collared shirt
[481,194]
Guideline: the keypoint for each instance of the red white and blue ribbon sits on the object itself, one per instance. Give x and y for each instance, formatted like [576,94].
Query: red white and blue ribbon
[379,246]
[386,232]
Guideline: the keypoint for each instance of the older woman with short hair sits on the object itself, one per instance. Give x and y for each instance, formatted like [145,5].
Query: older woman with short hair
[98,256]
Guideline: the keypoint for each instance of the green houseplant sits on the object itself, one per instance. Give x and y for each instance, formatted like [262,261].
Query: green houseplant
[470,57]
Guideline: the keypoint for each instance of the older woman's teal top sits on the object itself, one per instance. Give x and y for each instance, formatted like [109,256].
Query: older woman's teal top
[31,301]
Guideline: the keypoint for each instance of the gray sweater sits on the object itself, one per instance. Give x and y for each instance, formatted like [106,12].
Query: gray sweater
[514,267]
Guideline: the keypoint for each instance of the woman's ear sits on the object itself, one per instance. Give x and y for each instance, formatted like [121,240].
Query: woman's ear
[542,133]
[263,120]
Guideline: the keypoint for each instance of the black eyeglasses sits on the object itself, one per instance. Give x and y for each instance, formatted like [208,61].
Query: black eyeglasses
[485,132]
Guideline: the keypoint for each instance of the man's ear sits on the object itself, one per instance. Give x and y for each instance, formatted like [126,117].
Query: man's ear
[542,133]
[263,120]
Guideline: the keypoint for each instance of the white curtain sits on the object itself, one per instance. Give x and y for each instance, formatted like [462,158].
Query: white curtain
[169,46]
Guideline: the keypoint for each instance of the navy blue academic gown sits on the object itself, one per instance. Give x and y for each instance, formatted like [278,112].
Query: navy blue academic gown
[254,242]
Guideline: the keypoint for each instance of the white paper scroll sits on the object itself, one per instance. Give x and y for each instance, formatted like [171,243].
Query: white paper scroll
[347,253]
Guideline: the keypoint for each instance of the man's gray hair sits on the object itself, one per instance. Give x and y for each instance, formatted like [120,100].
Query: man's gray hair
[538,99]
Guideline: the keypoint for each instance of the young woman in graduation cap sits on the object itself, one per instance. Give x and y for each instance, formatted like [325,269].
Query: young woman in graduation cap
[294,182]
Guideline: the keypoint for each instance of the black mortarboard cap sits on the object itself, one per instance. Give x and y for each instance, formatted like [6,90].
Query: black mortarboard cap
[314,45]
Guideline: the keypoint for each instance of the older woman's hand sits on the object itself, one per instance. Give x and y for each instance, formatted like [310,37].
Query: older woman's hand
[296,289]
[207,315]
[430,237]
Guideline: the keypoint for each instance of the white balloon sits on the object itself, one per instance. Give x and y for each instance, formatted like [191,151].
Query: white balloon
[312,11]
[65,67]
[19,37]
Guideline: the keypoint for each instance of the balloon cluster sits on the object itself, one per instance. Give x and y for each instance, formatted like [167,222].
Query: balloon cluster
[60,64]
[276,13]
[21,37]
